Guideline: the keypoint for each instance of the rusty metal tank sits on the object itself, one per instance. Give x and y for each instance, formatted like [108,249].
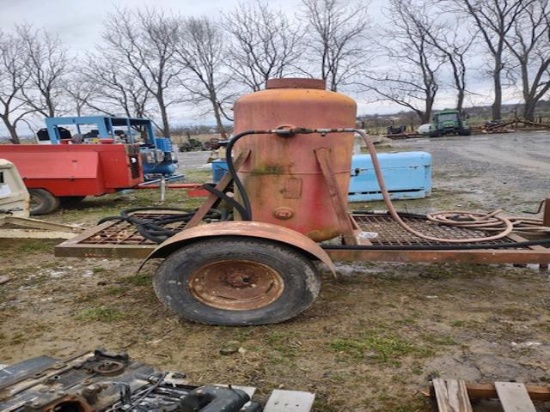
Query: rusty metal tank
[282,176]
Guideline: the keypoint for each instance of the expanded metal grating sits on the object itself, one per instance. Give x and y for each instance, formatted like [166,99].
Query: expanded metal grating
[124,233]
[386,231]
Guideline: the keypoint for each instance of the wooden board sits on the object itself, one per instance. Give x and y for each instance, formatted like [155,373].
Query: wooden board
[451,395]
[514,397]
[454,395]
[488,391]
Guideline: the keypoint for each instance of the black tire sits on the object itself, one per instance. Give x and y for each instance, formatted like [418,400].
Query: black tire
[236,281]
[42,202]
[465,132]
[71,201]
[434,134]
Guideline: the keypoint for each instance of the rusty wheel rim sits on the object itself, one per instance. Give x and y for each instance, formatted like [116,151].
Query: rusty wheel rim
[236,285]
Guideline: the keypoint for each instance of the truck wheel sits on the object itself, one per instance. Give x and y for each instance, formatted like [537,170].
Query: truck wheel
[42,202]
[234,281]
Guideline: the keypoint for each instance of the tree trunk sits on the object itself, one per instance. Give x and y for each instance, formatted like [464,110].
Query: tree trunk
[427,115]
[529,110]
[14,137]
[496,107]
[164,118]
[218,117]
[460,100]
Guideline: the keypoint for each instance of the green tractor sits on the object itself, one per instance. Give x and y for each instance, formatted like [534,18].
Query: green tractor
[449,121]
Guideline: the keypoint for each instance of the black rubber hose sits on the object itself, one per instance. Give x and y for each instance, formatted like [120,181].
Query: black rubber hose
[231,169]
[124,215]
[153,228]
[225,197]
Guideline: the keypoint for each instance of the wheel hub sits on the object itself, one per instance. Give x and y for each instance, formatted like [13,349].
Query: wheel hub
[236,285]
[240,279]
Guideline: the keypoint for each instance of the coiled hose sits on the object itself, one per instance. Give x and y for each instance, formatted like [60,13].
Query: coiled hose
[470,220]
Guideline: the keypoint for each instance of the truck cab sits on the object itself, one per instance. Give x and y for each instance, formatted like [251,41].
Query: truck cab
[449,122]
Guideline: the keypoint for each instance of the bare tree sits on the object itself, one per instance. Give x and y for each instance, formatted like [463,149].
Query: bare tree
[144,43]
[48,66]
[335,35]
[453,44]
[410,76]
[265,44]
[495,19]
[13,79]
[80,93]
[200,51]
[529,43]
[106,87]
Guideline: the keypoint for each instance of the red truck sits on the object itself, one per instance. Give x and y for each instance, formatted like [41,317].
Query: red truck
[57,173]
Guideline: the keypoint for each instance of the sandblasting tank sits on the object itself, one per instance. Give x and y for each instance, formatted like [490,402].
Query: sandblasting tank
[282,175]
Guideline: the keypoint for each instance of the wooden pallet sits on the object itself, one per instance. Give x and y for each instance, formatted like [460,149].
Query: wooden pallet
[453,395]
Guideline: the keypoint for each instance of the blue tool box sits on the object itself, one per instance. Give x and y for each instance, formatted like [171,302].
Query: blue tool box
[408,175]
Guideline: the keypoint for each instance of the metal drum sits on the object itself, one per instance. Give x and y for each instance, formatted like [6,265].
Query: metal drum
[282,176]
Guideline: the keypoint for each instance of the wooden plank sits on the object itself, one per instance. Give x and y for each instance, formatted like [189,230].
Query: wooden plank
[488,391]
[35,234]
[514,397]
[289,401]
[40,224]
[451,395]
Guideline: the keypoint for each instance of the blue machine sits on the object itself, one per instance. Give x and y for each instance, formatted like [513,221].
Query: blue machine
[157,153]
[408,175]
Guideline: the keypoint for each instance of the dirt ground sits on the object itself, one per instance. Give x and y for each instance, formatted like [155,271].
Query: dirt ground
[373,339]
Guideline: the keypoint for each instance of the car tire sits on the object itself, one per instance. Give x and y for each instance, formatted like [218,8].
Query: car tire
[42,202]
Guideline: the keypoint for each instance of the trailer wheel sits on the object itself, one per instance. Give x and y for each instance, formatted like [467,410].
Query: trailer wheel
[42,202]
[235,281]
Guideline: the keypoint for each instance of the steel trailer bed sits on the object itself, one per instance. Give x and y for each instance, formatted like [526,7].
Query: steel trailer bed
[119,239]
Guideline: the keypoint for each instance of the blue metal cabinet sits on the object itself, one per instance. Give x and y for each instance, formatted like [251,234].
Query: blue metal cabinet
[408,175]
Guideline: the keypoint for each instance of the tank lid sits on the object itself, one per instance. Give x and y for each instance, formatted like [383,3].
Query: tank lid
[295,83]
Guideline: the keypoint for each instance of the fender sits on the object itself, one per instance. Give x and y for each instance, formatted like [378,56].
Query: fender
[245,229]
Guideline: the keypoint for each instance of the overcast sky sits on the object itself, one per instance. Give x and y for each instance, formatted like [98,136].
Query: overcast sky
[79,22]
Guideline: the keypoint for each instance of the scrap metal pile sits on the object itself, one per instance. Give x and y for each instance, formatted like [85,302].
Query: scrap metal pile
[101,381]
